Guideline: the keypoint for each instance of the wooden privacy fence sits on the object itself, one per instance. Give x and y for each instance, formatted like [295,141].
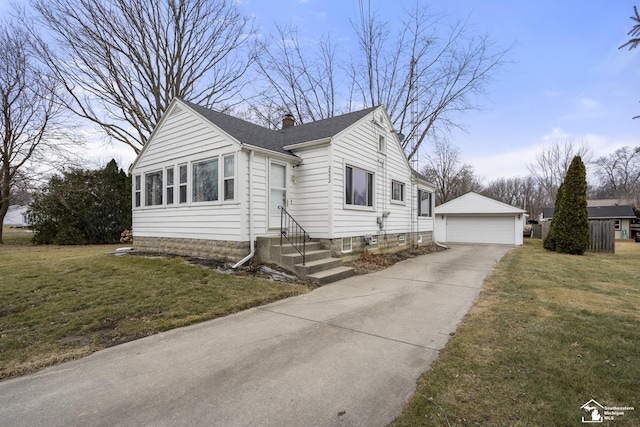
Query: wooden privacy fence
[603,234]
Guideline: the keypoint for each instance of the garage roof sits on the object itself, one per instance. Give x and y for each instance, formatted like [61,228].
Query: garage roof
[473,203]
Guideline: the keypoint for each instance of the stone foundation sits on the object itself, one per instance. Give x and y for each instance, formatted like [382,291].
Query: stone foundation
[216,249]
[388,243]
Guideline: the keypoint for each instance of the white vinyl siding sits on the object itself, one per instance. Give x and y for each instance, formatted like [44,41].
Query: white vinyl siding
[358,146]
[181,140]
[309,188]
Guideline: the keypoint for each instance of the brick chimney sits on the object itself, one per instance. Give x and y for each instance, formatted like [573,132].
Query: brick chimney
[288,121]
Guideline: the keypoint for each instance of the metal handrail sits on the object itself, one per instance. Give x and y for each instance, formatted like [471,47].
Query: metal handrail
[293,232]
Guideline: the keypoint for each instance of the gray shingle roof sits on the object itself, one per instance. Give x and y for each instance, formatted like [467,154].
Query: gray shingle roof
[275,140]
[600,212]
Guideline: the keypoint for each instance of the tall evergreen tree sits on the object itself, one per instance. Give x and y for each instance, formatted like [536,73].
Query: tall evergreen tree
[571,218]
[549,242]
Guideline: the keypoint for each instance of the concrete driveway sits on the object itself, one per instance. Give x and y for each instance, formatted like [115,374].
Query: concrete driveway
[348,353]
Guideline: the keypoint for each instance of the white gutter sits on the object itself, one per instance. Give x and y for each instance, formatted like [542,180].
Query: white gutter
[251,239]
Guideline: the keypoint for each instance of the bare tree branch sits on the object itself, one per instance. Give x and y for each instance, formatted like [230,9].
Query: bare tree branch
[123,61]
[450,176]
[31,122]
[551,165]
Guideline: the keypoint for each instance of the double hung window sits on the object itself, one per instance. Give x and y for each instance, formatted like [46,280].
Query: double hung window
[424,203]
[358,187]
[170,181]
[397,191]
[153,188]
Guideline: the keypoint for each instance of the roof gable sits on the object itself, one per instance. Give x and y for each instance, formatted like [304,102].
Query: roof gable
[473,203]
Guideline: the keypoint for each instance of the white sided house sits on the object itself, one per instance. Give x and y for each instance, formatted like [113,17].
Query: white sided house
[209,185]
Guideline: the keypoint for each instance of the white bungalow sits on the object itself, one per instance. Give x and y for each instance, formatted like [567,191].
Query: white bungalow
[208,184]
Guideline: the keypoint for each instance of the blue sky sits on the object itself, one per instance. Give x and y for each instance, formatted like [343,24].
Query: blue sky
[566,78]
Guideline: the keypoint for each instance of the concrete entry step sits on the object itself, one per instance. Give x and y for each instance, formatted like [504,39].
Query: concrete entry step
[331,275]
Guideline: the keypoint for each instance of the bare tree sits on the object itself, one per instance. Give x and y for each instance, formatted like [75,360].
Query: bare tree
[519,192]
[619,173]
[423,75]
[450,176]
[123,61]
[511,191]
[30,119]
[551,165]
[300,78]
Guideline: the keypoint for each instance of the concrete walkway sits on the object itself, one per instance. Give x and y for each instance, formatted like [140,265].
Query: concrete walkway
[348,353]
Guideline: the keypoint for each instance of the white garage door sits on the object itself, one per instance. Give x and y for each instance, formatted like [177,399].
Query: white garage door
[481,229]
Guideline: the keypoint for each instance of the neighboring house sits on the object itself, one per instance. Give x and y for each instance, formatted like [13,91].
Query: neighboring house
[473,218]
[208,184]
[626,223]
[16,216]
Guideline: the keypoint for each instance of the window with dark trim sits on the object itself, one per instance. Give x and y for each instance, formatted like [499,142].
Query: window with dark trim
[138,190]
[153,188]
[170,181]
[182,172]
[424,203]
[358,187]
[397,191]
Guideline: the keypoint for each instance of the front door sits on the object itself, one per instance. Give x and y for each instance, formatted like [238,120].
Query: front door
[277,192]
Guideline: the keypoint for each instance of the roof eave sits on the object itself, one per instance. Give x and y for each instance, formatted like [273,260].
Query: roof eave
[308,144]
[284,156]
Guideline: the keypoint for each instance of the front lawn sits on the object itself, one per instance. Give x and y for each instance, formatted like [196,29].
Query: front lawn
[548,333]
[60,303]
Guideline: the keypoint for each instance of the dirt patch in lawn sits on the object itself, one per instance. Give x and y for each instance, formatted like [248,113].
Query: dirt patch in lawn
[371,262]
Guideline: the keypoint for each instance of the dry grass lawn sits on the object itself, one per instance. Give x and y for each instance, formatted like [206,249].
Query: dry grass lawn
[548,333]
[59,303]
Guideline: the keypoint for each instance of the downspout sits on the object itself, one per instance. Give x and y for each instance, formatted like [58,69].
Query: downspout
[251,239]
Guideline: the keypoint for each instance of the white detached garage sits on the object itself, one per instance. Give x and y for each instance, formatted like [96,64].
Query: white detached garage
[473,218]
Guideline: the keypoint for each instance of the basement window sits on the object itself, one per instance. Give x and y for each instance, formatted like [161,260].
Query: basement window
[347,244]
